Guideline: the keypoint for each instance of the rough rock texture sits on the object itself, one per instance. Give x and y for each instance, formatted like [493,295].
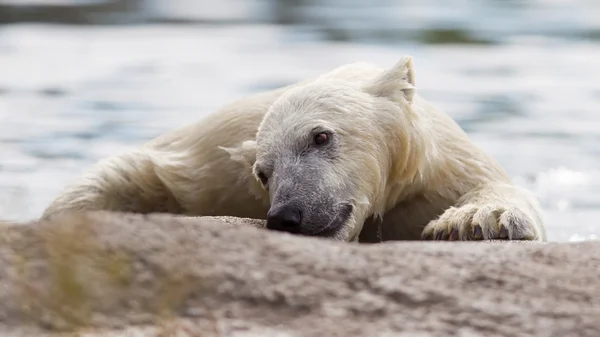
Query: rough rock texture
[107,274]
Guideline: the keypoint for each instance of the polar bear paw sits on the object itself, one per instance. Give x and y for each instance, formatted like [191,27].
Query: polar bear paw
[481,222]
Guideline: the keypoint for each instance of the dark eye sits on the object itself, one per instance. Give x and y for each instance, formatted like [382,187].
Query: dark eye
[263,178]
[321,138]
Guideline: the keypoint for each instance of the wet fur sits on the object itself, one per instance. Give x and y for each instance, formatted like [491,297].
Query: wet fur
[410,171]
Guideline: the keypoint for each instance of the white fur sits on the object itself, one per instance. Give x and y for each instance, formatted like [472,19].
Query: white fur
[412,170]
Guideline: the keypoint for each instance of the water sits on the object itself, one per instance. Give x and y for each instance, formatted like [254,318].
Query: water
[71,95]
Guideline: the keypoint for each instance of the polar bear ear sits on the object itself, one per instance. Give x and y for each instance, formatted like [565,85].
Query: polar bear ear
[398,80]
[244,154]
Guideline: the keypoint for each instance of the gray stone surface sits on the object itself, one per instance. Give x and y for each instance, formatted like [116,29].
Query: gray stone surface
[105,274]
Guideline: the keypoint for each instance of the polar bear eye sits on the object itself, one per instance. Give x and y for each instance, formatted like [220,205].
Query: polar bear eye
[321,138]
[263,178]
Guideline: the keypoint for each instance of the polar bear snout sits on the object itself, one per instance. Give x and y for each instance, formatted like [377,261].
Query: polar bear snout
[287,219]
[312,220]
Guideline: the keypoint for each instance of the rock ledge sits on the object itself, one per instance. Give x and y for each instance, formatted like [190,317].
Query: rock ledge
[107,274]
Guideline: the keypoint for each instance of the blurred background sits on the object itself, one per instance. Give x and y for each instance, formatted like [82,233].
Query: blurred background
[84,79]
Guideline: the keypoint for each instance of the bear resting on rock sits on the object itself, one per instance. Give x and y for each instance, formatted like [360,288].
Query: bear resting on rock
[355,155]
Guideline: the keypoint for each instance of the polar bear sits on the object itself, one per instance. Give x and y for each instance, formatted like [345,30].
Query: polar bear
[354,155]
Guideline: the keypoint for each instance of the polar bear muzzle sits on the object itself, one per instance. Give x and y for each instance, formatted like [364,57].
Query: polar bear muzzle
[289,218]
[305,199]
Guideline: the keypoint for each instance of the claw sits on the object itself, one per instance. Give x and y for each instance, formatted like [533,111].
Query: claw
[442,235]
[503,232]
[477,232]
[453,235]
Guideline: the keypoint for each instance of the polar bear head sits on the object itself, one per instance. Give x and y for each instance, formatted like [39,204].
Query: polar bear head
[330,152]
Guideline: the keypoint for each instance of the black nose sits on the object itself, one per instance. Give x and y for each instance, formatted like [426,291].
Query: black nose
[287,219]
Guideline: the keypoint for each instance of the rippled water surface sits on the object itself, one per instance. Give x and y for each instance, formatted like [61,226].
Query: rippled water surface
[71,95]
